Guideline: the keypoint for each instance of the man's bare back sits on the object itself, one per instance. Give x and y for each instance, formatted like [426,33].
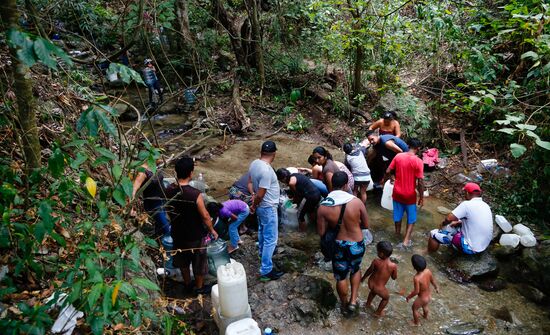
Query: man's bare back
[355,218]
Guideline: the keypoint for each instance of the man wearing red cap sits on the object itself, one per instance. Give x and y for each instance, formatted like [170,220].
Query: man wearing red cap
[468,228]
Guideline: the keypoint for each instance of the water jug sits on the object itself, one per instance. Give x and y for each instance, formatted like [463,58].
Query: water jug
[387,201]
[223,322]
[215,297]
[528,241]
[233,290]
[289,219]
[522,230]
[509,240]
[216,252]
[243,327]
[503,223]
[168,244]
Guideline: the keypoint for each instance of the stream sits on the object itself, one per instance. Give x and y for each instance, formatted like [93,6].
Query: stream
[505,311]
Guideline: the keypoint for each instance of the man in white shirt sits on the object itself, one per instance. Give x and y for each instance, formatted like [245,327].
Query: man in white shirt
[468,228]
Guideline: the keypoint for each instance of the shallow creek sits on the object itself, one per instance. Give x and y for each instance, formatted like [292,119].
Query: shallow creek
[456,303]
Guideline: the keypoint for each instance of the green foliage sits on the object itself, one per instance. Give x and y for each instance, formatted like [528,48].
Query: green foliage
[298,124]
[125,73]
[98,264]
[33,50]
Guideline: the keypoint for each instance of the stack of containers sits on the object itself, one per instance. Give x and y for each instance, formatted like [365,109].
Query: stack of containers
[230,298]
[516,234]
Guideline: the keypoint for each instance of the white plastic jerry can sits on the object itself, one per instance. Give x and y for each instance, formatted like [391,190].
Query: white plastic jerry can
[387,200]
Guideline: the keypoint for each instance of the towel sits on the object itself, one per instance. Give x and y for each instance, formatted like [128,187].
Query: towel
[337,198]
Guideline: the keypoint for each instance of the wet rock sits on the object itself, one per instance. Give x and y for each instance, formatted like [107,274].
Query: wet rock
[290,299]
[533,294]
[290,259]
[533,266]
[466,268]
[496,232]
[466,328]
[492,285]
[504,252]
[168,107]
[126,113]
[509,318]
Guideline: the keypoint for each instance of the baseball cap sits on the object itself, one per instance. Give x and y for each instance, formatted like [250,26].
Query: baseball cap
[387,115]
[471,188]
[269,146]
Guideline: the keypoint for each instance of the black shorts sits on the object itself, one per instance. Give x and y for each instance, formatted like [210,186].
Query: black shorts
[197,258]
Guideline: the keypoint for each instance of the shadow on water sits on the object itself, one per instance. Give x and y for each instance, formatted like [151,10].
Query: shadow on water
[455,304]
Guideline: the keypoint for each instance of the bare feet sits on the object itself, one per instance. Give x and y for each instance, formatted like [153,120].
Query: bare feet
[240,242]
[379,314]
[231,250]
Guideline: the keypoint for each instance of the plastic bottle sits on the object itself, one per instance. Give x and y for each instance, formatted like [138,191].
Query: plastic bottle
[268,331]
[528,241]
[509,240]
[387,201]
[168,244]
[503,223]
[245,326]
[522,230]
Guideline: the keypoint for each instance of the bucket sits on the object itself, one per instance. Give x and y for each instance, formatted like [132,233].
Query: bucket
[216,252]
[387,200]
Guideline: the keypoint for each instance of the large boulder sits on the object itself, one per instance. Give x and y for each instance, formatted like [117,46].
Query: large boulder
[467,268]
[533,266]
[290,299]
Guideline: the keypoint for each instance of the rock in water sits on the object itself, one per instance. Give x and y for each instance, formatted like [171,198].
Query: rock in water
[492,285]
[465,268]
[466,328]
[533,294]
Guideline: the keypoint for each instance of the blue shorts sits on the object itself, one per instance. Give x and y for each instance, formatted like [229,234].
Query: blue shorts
[399,209]
[347,258]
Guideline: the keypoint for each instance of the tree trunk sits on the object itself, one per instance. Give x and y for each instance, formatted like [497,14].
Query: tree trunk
[183,20]
[238,108]
[357,71]
[26,115]
[233,28]
[253,13]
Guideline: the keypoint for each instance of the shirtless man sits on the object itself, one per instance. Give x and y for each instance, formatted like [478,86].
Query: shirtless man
[422,280]
[380,271]
[387,125]
[350,246]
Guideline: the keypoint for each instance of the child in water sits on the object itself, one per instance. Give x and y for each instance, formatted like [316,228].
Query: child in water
[422,281]
[380,271]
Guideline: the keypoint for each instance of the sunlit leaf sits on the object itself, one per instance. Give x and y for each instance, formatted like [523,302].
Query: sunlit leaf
[145,283]
[517,149]
[543,144]
[91,186]
[530,54]
[114,295]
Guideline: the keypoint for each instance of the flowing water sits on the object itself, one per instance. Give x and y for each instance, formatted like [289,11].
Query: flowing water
[456,303]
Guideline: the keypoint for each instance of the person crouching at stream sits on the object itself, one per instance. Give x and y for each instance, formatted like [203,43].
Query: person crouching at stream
[348,213]
[303,188]
[234,212]
[191,223]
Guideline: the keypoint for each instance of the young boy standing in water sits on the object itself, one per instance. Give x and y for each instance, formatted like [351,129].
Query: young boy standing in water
[380,271]
[422,281]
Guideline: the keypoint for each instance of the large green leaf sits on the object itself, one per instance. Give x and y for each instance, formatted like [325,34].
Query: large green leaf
[517,149]
[24,45]
[127,186]
[44,53]
[94,295]
[119,196]
[145,283]
[543,144]
[104,120]
[530,54]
